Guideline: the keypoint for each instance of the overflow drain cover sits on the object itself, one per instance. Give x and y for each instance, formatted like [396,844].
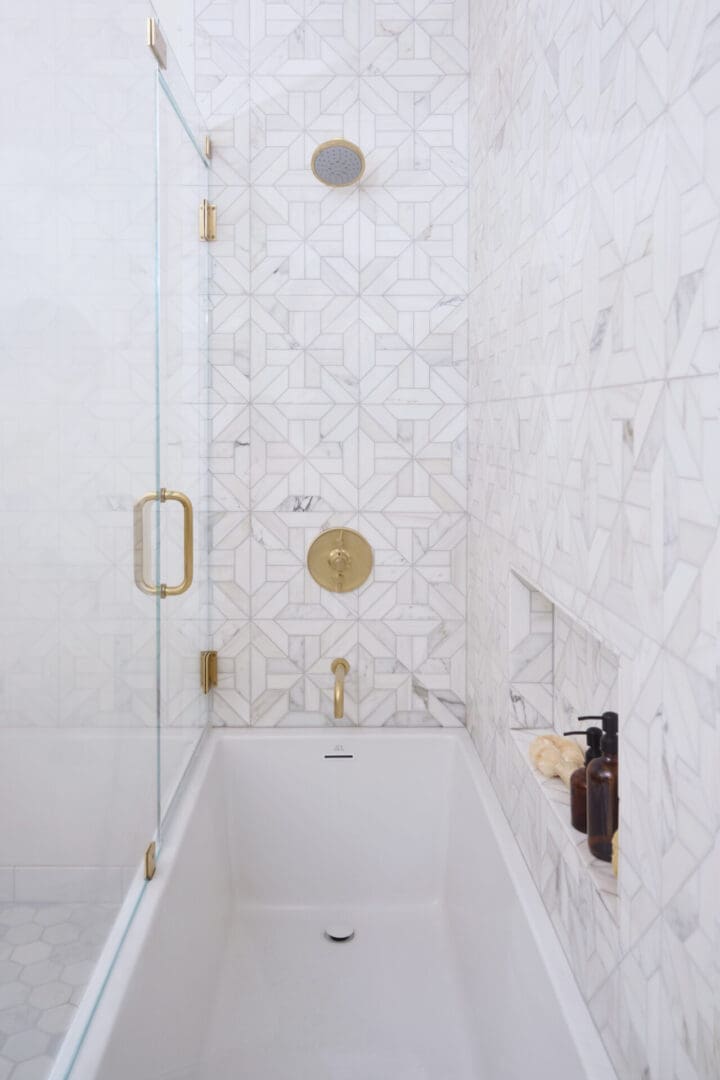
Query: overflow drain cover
[339,932]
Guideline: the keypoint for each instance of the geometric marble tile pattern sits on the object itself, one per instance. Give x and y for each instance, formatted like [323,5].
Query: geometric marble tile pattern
[531,632]
[593,449]
[339,354]
[585,672]
[558,669]
[47,954]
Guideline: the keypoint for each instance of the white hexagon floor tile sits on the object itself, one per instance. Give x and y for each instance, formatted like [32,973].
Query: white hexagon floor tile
[47,952]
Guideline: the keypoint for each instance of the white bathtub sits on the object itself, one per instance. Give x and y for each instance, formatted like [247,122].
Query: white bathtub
[454,972]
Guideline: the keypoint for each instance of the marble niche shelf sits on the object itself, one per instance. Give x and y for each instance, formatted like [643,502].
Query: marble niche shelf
[559,670]
[556,797]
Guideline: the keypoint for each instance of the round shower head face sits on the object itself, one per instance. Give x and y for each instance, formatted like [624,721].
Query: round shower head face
[338,163]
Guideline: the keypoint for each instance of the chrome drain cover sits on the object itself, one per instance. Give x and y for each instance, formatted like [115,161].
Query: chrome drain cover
[339,932]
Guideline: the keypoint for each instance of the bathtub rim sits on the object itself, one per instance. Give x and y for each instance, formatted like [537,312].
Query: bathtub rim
[87,1037]
[129,929]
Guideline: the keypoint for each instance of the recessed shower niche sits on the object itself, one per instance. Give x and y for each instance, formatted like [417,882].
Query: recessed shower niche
[558,669]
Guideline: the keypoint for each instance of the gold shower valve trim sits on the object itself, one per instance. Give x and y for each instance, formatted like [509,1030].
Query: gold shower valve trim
[340,560]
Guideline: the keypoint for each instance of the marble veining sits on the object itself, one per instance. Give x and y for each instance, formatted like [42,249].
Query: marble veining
[338,348]
[593,449]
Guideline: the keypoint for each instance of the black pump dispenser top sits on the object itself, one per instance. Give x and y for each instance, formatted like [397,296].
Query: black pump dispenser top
[593,736]
[609,741]
[609,744]
[594,739]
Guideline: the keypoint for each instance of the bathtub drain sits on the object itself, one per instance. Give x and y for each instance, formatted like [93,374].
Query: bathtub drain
[339,932]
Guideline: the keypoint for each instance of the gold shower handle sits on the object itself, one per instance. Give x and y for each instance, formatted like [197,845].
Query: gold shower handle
[145,586]
[188,543]
[139,544]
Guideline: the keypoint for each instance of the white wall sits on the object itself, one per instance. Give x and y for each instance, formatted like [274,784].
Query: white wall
[595,278]
[339,355]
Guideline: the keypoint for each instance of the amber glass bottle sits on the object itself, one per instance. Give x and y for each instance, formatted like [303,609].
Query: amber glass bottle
[578,780]
[602,791]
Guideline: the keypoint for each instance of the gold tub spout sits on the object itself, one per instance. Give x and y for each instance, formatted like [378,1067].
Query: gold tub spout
[339,668]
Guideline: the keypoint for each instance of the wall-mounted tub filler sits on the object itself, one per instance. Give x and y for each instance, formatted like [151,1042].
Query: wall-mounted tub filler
[339,668]
[338,163]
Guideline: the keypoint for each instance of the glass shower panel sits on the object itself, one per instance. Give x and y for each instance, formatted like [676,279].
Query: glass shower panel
[78,449]
[182,281]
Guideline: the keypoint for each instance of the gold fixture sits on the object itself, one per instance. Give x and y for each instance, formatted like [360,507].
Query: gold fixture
[150,861]
[207,147]
[207,220]
[141,556]
[156,42]
[339,668]
[340,560]
[338,163]
[208,670]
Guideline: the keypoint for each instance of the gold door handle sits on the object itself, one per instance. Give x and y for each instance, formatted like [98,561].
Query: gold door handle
[188,547]
[139,544]
[164,495]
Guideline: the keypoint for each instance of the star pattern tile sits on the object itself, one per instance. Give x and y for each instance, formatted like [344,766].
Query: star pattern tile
[339,353]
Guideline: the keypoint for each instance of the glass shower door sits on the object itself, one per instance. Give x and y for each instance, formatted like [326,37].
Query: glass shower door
[182,290]
[154,424]
[78,449]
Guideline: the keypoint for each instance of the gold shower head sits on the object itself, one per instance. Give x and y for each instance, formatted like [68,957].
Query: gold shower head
[338,163]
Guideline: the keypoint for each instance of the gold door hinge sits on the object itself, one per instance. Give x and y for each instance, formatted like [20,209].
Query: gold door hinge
[150,862]
[207,147]
[207,220]
[156,42]
[208,670]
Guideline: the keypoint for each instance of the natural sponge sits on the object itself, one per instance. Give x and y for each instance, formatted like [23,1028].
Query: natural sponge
[554,755]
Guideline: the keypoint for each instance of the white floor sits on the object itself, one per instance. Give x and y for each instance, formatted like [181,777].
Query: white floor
[291,1005]
[47,952]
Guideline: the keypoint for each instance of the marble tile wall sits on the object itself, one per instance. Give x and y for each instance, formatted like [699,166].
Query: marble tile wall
[593,449]
[531,634]
[76,364]
[339,354]
[558,670]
